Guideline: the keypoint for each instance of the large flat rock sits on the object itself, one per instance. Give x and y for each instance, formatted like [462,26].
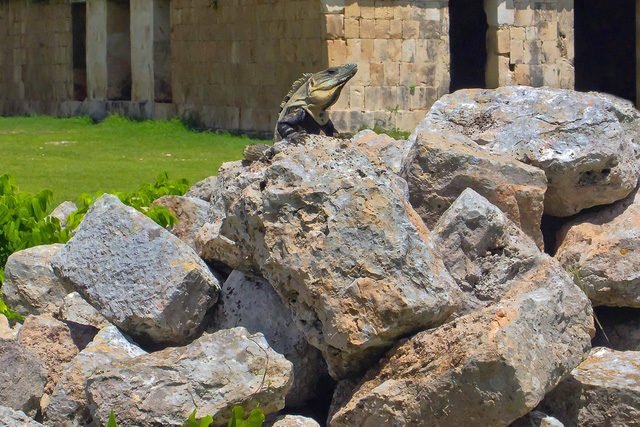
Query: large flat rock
[338,240]
[604,390]
[587,143]
[22,377]
[213,373]
[137,275]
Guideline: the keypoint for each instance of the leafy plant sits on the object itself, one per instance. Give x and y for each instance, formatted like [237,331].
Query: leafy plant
[255,418]
[192,421]
[112,420]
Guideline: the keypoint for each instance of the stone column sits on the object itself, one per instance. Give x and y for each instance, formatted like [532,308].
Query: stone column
[638,53]
[142,50]
[97,49]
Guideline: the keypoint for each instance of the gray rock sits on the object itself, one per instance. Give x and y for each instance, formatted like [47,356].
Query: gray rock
[204,190]
[488,367]
[22,377]
[213,373]
[62,212]
[192,214]
[75,309]
[537,419]
[295,421]
[13,418]
[30,286]
[69,404]
[136,274]
[251,302]
[382,149]
[602,249]
[340,244]
[586,143]
[483,250]
[55,343]
[440,166]
[604,390]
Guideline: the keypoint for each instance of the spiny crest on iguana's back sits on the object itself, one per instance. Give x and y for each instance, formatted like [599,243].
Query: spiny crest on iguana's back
[294,87]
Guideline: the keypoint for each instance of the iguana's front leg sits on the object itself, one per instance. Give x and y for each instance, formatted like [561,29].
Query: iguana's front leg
[328,128]
[291,123]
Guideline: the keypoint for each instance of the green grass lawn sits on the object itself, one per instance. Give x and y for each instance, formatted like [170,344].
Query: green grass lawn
[72,156]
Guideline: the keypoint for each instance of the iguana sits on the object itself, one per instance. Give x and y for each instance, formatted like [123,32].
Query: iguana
[304,108]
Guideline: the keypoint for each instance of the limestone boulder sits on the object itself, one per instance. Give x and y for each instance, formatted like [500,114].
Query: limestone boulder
[55,343]
[204,189]
[213,374]
[340,243]
[586,143]
[137,275]
[69,404]
[7,332]
[484,251]
[12,418]
[76,310]
[251,302]
[30,285]
[602,249]
[383,149]
[440,166]
[62,212]
[602,390]
[295,421]
[537,419]
[494,364]
[192,214]
[22,377]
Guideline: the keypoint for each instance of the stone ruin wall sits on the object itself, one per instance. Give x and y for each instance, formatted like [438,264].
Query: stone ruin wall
[402,51]
[36,73]
[530,42]
[232,64]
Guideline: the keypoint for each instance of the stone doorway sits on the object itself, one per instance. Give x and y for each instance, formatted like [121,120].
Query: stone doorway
[605,47]
[118,50]
[79,50]
[468,46]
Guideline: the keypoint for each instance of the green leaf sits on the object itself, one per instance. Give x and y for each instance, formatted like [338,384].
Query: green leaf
[112,420]
[192,421]
[254,419]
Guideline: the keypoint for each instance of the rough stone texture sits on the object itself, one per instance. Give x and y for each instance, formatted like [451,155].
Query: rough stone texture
[213,373]
[621,327]
[192,214]
[382,148]
[62,212]
[13,418]
[54,342]
[252,303]
[136,274]
[604,390]
[204,190]
[22,386]
[76,310]
[295,421]
[30,286]
[483,250]
[440,166]
[69,405]
[586,143]
[488,367]
[537,419]
[340,244]
[603,249]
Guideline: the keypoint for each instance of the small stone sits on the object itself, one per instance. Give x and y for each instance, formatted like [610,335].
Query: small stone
[295,421]
[62,212]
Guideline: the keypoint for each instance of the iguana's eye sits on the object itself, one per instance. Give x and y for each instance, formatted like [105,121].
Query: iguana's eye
[331,70]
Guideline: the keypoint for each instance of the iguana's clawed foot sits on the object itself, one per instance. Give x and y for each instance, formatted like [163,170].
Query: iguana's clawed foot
[297,138]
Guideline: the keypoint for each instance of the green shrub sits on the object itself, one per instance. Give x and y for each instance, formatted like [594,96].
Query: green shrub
[25,220]
[238,419]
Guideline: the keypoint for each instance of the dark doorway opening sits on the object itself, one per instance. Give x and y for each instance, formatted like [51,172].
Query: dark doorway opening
[605,45]
[162,50]
[468,44]
[118,50]
[79,50]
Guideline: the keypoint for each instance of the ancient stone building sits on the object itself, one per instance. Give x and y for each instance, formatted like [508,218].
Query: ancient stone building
[227,63]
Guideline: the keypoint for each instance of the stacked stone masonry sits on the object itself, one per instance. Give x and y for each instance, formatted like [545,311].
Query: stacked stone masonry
[228,63]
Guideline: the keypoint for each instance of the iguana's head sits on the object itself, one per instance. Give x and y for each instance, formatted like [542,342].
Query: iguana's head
[325,87]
